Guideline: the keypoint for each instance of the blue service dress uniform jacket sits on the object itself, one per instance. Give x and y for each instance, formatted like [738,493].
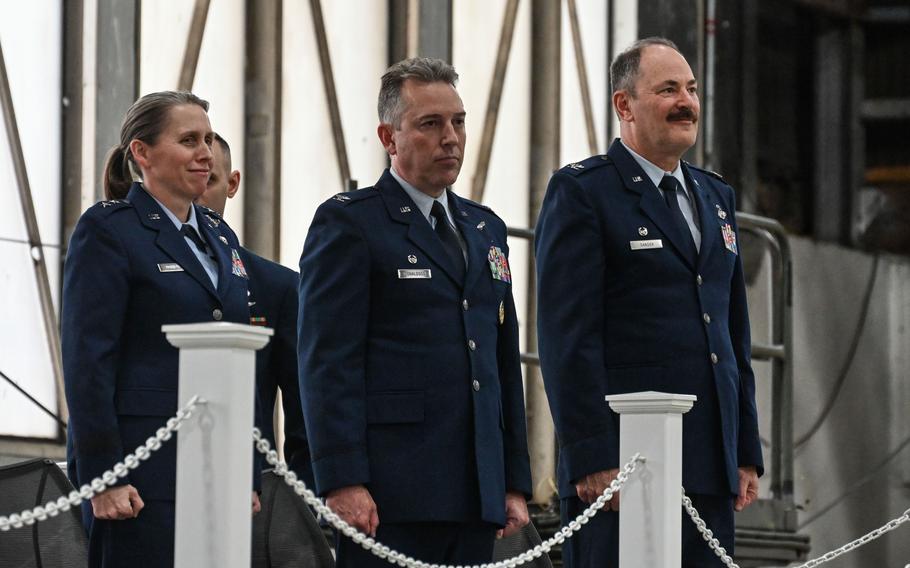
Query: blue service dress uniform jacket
[128,271]
[618,314]
[410,380]
[273,303]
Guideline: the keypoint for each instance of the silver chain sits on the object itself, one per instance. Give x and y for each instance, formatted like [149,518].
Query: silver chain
[706,533]
[721,553]
[395,557]
[865,539]
[165,433]
[108,478]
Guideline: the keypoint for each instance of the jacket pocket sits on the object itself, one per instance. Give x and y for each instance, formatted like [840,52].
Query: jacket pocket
[395,407]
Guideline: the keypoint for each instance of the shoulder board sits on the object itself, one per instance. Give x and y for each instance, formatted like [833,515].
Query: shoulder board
[210,216]
[467,201]
[107,207]
[708,172]
[353,196]
[592,163]
[209,211]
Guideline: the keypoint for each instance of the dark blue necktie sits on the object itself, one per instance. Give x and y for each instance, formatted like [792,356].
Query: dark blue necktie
[189,231]
[670,187]
[449,239]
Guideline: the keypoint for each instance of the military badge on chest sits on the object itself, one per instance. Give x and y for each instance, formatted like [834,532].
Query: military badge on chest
[499,264]
[726,231]
[729,237]
[237,265]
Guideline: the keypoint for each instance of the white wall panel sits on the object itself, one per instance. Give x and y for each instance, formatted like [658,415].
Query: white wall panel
[592,23]
[476,30]
[219,72]
[624,29]
[220,80]
[31,38]
[165,25]
[357,38]
[842,466]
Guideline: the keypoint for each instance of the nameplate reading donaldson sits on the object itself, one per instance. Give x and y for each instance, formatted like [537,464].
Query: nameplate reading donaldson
[414,273]
[169,267]
[645,245]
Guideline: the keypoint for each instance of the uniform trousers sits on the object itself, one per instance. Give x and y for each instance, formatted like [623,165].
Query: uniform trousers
[597,544]
[144,542]
[434,542]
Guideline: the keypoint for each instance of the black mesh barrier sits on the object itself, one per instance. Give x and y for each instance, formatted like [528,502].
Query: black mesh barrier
[285,532]
[58,542]
[524,540]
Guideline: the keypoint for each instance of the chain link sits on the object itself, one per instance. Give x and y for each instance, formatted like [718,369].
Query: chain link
[163,434]
[108,478]
[863,540]
[706,533]
[721,553]
[395,557]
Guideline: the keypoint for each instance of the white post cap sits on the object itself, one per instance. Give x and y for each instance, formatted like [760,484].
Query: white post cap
[651,402]
[217,334]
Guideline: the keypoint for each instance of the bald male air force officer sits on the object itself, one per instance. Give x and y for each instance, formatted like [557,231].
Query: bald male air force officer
[408,344]
[640,287]
[273,303]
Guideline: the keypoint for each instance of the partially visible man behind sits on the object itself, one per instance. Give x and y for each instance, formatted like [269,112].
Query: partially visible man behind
[640,287]
[273,303]
[408,344]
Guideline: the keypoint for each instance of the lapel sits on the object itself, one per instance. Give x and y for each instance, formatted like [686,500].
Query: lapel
[651,202]
[222,250]
[401,208]
[169,239]
[476,241]
[706,213]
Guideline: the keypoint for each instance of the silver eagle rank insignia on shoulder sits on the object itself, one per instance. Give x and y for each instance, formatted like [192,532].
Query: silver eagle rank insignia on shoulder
[586,165]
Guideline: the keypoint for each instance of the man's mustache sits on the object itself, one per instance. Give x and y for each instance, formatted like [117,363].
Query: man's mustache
[684,113]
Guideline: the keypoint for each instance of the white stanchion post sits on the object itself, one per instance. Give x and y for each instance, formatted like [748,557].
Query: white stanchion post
[650,512]
[214,447]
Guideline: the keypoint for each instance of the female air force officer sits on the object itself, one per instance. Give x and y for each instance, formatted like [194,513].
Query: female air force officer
[133,265]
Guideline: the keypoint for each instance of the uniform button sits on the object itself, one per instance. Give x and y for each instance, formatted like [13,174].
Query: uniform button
[706,317]
[471,345]
[475,385]
[217,314]
[465,305]
[714,358]
[698,280]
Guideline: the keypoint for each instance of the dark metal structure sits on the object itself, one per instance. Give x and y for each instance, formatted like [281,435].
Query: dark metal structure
[262,127]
